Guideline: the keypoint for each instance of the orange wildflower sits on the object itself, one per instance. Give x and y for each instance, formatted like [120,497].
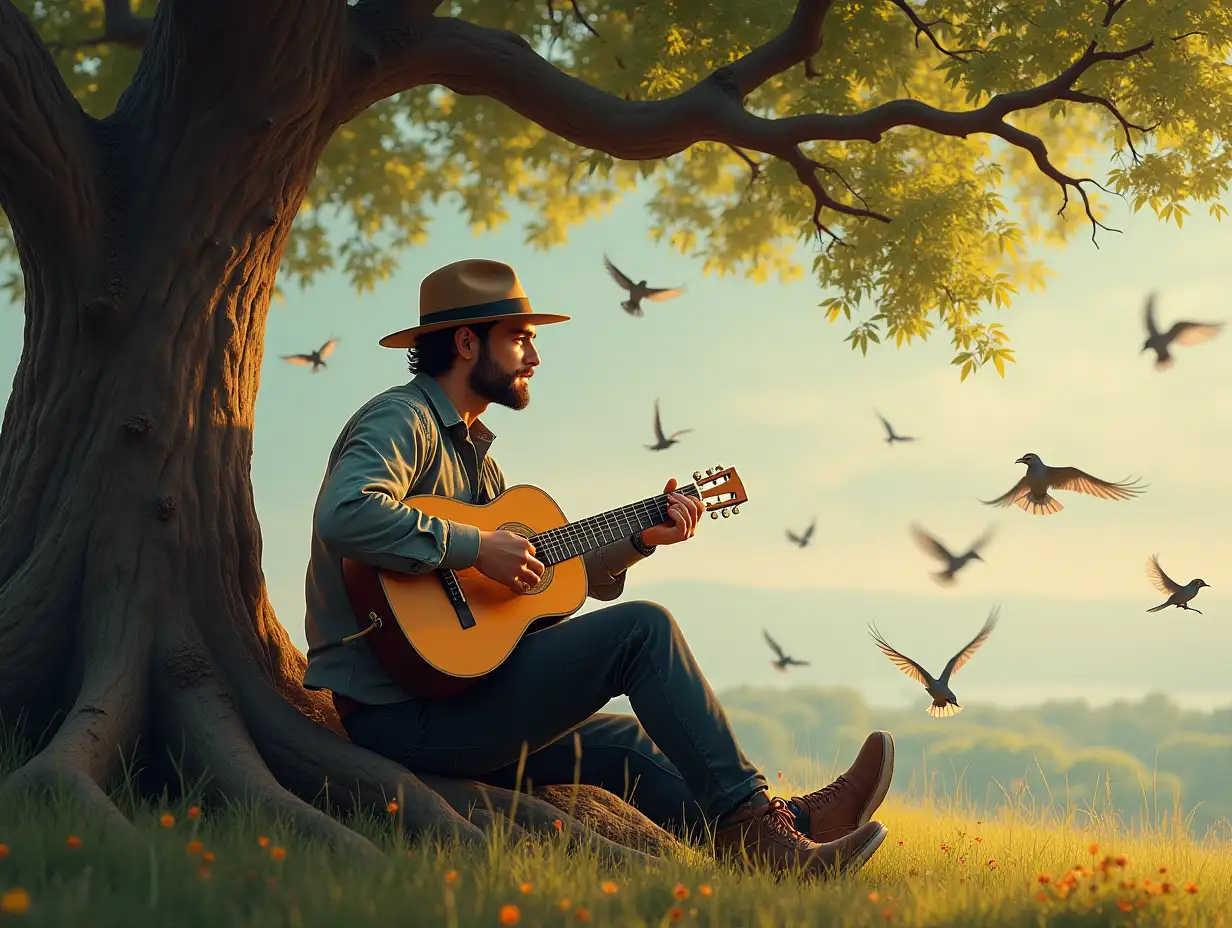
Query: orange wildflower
[1093,849]
[992,864]
[208,857]
[1041,897]
[526,889]
[1121,860]
[680,891]
[263,841]
[167,820]
[1125,906]
[1044,878]
[946,848]
[1163,870]
[705,889]
[558,824]
[278,854]
[510,915]
[582,914]
[73,841]
[15,902]
[451,877]
[1191,888]
[609,887]
[194,811]
[392,807]
[194,847]
[874,896]
[4,851]
[977,839]
[1165,887]
[675,913]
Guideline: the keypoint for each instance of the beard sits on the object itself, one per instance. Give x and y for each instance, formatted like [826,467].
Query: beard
[496,385]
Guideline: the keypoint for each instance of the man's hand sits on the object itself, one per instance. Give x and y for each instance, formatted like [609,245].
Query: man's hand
[508,559]
[684,513]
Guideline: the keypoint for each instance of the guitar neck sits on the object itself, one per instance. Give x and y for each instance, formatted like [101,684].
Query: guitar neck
[577,538]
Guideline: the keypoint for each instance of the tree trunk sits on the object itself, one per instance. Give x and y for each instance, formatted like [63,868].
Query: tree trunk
[133,609]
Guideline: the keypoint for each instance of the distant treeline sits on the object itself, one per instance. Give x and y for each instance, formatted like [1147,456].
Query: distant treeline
[1142,761]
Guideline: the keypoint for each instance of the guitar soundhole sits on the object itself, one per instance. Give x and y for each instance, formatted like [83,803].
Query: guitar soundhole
[526,531]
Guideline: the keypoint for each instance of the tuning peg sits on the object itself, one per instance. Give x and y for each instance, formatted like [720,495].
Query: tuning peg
[735,510]
[726,513]
[717,468]
[714,515]
[709,471]
[697,475]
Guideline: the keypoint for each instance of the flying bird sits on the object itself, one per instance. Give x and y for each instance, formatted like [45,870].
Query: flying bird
[315,358]
[1030,493]
[801,541]
[638,291]
[1183,333]
[944,703]
[783,661]
[953,563]
[891,435]
[1178,595]
[662,441]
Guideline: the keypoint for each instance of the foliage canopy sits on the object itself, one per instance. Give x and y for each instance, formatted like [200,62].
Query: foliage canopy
[966,216]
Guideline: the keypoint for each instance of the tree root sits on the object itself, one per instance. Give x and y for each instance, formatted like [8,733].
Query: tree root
[41,777]
[195,708]
[610,816]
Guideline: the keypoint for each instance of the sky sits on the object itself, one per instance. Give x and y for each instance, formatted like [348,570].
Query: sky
[771,389]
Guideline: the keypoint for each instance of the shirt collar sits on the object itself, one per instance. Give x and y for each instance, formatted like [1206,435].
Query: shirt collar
[448,413]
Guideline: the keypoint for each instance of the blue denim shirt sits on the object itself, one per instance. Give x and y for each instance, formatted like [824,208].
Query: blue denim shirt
[407,441]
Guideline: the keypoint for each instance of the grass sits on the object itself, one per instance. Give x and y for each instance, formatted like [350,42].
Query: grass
[943,864]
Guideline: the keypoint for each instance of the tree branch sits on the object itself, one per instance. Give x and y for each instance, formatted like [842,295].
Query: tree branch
[45,169]
[927,29]
[477,60]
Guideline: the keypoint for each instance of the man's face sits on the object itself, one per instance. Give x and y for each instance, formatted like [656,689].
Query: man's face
[505,364]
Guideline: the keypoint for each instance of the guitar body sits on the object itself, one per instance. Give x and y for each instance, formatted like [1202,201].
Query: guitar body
[425,618]
[435,646]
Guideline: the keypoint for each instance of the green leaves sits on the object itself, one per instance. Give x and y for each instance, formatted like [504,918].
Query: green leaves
[968,214]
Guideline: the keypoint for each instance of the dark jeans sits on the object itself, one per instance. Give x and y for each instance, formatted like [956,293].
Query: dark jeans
[677,761]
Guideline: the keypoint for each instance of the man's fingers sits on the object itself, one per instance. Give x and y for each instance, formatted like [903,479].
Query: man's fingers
[535,565]
[527,577]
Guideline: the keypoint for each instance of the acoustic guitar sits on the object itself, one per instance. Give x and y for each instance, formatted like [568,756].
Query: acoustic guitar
[437,633]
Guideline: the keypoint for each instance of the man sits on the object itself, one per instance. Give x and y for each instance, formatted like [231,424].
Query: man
[473,346]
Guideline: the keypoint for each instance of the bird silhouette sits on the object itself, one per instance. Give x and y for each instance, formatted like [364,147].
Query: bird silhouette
[315,358]
[944,702]
[891,435]
[953,563]
[662,441]
[1030,493]
[802,541]
[638,291]
[782,661]
[1178,595]
[1182,333]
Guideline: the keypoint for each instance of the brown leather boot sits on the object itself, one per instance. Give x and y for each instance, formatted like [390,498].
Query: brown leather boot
[851,800]
[767,836]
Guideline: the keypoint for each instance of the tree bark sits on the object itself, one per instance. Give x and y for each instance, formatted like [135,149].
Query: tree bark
[133,608]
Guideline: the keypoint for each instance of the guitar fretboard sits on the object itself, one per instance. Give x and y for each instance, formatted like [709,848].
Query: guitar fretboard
[585,535]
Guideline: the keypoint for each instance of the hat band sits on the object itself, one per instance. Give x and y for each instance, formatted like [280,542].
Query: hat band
[514,306]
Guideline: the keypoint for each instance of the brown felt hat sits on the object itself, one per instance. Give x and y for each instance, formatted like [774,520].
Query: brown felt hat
[474,290]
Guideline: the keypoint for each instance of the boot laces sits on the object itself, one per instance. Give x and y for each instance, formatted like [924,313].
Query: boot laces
[782,821]
[825,794]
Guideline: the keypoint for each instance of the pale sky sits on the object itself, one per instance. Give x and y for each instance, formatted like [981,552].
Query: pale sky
[771,388]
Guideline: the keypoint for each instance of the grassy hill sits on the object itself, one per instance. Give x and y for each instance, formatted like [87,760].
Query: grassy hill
[944,864]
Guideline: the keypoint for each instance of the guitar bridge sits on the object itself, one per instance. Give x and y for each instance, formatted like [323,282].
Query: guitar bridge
[457,598]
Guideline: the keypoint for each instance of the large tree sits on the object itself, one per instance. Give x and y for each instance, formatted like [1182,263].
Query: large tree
[160,162]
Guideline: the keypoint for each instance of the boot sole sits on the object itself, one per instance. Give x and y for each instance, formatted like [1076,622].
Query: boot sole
[883,780]
[864,853]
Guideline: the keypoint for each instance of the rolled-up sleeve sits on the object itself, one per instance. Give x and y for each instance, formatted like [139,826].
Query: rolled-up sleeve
[606,567]
[360,514]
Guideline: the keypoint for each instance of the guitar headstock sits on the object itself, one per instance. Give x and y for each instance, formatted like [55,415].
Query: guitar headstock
[721,490]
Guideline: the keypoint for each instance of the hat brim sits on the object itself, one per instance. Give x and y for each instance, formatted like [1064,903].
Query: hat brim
[405,338]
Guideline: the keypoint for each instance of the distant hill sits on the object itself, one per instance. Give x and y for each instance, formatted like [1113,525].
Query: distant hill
[1141,760]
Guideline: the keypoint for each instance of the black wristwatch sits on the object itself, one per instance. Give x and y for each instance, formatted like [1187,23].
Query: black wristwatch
[640,546]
